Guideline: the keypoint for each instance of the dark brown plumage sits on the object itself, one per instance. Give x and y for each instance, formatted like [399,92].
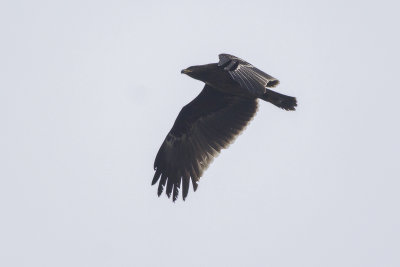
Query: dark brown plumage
[212,120]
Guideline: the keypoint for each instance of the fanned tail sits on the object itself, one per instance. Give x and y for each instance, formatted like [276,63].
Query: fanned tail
[282,101]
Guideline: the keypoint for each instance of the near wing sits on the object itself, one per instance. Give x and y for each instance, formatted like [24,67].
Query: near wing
[203,127]
[248,76]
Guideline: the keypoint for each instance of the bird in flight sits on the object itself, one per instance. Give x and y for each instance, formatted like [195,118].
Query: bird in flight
[212,120]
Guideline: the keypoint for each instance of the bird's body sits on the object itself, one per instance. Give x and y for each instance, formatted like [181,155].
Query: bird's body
[212,120]
[220,80]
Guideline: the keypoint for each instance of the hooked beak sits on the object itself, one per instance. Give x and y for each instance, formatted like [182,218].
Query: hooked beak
[185,71]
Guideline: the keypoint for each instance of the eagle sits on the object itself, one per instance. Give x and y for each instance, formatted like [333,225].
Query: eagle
[212,120]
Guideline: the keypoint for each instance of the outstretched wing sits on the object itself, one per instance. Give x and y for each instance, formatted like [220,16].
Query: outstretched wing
[203,127]
[248,76]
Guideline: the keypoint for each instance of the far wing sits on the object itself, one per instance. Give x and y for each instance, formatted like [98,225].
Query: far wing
[203,127]
[248,76]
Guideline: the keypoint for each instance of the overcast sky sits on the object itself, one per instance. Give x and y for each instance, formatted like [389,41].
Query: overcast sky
[89,90]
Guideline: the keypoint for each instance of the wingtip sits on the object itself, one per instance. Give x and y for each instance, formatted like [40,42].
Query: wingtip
[159,193]
[195,185]
[156,177]
[273,83]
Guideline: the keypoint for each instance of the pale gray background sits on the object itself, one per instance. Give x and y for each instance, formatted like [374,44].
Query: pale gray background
[89,89]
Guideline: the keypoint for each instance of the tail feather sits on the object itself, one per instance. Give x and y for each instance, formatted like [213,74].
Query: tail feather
[282,101]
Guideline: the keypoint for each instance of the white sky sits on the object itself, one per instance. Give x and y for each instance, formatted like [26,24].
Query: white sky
[89,89]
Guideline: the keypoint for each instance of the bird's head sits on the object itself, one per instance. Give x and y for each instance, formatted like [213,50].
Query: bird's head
[200,72]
